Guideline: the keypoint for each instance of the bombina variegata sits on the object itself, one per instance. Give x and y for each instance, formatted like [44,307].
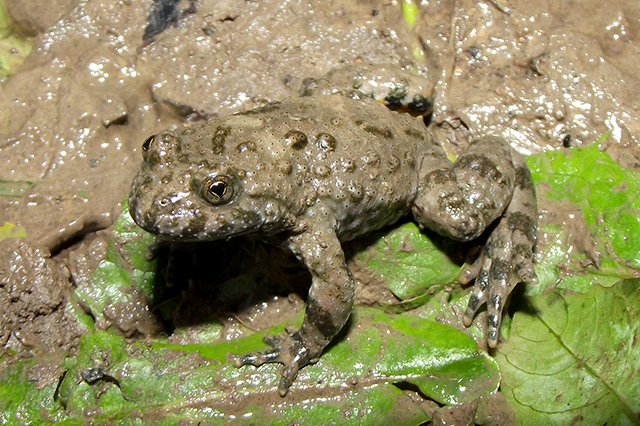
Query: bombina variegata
[310,172]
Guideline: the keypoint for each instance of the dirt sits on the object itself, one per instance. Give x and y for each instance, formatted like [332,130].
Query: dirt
[544,75]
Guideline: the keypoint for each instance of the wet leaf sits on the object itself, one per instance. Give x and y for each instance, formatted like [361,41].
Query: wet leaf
[123,270]
[443,362]
[606,194]
[576,360]
[118,382]
[10,230]
[14,47]
[22,403]
[572,356]
[411,262]
[14,188]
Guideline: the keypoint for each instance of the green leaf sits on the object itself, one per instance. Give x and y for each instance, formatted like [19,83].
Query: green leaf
[577,359]
[410,12]
[14,47]
[159,381]
[411,262]
[14,188]
[444,363]
[572,356]
[606,195]
[21,402]
[168,383]
[10,230]
[122,272]
[453,370]
[574,346]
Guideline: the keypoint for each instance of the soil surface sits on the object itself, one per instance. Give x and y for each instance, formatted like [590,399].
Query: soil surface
[104,75]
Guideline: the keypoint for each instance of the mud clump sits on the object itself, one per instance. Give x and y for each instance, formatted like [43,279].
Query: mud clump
[33,295]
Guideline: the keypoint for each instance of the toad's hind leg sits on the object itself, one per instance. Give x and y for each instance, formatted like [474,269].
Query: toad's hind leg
[460,200]
[507,257]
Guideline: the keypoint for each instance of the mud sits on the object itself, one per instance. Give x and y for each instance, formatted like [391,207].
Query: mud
[542,74]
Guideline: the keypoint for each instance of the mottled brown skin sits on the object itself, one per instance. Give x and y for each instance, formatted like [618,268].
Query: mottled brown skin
[308,173]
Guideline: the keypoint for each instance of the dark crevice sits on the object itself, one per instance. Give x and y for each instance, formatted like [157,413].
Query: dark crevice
[407,386]
[94,375]
[188,112]
[75,237]
[162,14]
[427,119]
[56,393]
[83,305]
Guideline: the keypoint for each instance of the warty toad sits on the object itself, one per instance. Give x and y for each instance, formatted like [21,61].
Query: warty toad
[310,172]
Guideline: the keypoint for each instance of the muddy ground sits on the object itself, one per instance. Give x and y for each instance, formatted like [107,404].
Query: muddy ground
[99,80]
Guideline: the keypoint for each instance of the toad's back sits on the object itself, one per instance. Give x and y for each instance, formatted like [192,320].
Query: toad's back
[354,162]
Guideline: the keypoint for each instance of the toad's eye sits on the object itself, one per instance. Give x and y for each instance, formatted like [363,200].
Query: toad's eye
[217,190]
[147,143]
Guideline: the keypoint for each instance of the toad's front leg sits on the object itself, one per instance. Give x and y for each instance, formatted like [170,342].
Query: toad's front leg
[328,305]
[488,184]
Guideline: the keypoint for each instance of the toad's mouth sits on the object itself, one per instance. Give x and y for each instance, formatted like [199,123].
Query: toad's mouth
[181,222]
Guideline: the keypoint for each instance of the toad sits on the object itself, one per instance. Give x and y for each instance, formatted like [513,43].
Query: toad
[310,172]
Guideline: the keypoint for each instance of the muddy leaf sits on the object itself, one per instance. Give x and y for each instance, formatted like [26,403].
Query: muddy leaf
[118,381]
[10,230]
[22,403]
[420,269]
[606,194]
[576,360]
[591,214]
[123,270]
[411,262]
[384,354]
[572,353]
[14,47]
[379,356]
[444,363]
[14,188]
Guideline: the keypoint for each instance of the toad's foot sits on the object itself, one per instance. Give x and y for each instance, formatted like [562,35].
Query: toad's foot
[504,262]
[289,350]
